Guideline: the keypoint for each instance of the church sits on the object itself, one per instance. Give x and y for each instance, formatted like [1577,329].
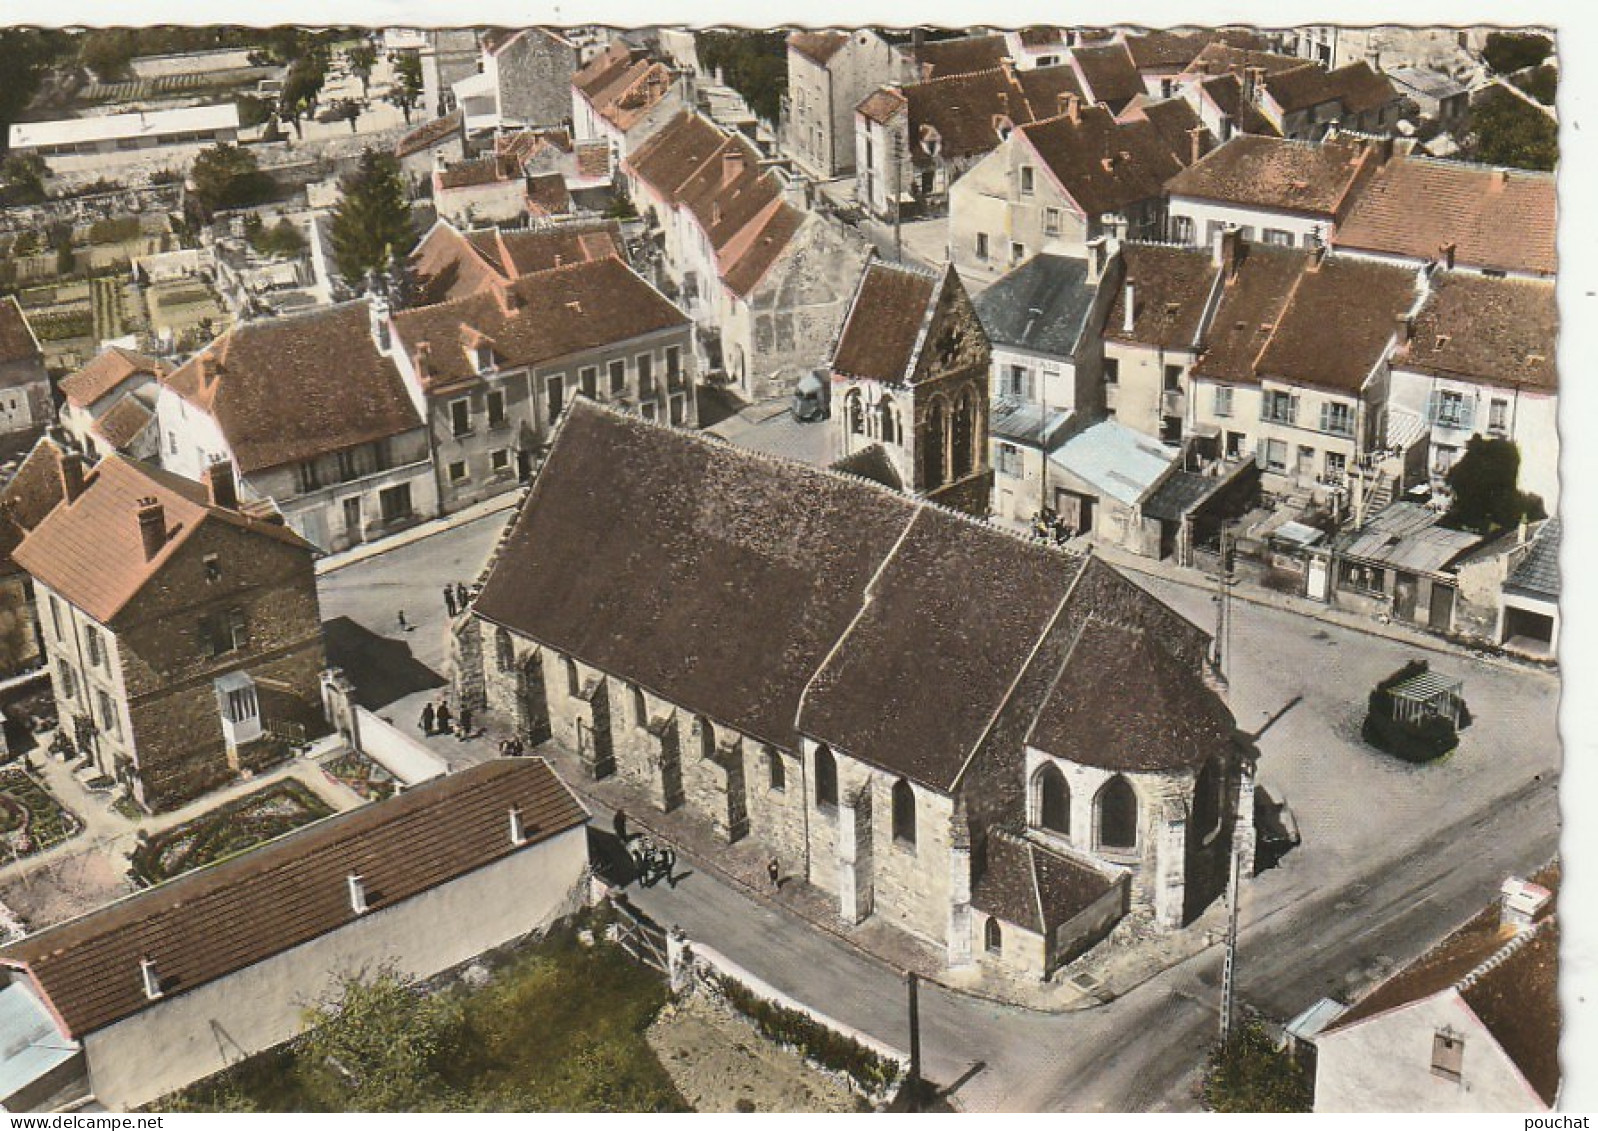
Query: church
[995,745]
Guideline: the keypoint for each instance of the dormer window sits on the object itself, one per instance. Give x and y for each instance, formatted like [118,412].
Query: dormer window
[483,358]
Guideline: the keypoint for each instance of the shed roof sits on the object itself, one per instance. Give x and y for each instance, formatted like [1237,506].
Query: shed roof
[220,920]
[1043,305]
[1538,573]
[118,127]
[1116,460]
[1406,536]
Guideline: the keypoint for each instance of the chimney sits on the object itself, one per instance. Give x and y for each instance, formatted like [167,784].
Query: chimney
[424,359]
[1229,249]
[518,834]
[1195,138]
[732,165]
[358,902]
[220,489]
[1406,329]
[1519,903]
[71,475]
[152,527]
[1129,314]
[1071,106]
[152,984]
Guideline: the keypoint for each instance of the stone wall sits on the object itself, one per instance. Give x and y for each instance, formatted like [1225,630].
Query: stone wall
[535,77]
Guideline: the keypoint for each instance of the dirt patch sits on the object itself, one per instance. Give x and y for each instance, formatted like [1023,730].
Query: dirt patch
[67,887]
[720,1063]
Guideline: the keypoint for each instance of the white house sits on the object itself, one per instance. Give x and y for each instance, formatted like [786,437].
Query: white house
[81,144]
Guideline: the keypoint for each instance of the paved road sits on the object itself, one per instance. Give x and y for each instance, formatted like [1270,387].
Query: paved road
[1393,857]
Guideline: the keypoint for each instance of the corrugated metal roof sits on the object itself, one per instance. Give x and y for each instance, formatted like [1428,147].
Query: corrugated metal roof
[30,1046]
[1406,536]
[1114,459]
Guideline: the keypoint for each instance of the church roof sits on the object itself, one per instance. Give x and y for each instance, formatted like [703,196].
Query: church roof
[736,586]
[1033,887]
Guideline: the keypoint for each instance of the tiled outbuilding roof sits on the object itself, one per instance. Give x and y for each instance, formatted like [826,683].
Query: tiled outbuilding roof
[105,372]
[221,920]
[429,134]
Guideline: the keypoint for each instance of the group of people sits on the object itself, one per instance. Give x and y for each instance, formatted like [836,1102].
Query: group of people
[1047,526]
[651,862]
[458,598]
[439,719]
[512,747]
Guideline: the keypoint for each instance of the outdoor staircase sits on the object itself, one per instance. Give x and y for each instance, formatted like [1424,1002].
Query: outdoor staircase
[1381,494]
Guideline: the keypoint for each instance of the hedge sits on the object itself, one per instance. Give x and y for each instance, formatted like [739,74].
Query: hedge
[825,1046]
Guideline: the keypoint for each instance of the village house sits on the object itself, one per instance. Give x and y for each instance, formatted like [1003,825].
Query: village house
[584,167]
[910,377]
[1477,359]
[1468,217]
[181,632]
[449,263]
[1470,1026]
[1404,563]
[1439,97]
[174,984]
[314,419]
[1051,731]
[914,142]
[1061,184]
[1222,83]
[1291,193]
[1038,46]
[114,393]
[1528,620]
[28,496]
[829,73]
[1307,102]
[524,79]
[1043,322]
[1100,479]
[623,96]
[484,190]
[1106,74]
[25,401]
[435,144]
[492,371]
[955,55]
[766,280]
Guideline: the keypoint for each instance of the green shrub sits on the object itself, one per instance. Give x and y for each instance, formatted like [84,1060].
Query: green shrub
[825,1046]
[1250,1074]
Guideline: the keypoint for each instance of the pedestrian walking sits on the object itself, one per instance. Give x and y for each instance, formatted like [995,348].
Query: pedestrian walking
[449,599]
[466,723]
[462,598]
[618,823]
[668,865]
[427,718]
[443,715]
[405,625]
[774,870]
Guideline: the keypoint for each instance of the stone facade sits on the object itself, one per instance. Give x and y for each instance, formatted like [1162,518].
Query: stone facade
[534,73]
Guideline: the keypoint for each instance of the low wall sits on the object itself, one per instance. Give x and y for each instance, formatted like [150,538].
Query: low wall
[397,752]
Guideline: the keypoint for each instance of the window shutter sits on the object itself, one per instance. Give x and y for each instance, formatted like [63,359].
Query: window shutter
[1259,453]
[1433,399]
[1326,416]
[1467,413]
[1292,409]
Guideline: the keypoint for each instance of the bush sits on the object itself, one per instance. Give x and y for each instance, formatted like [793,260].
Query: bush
[1250,1074]
[825,1046]
[118,230]
[1542,84]
[1507,52]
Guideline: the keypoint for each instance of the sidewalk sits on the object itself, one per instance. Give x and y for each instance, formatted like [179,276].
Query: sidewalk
[333,562]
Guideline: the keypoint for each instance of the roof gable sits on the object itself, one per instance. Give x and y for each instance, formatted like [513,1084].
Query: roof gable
[883,330]
[1339,322]
[107,370]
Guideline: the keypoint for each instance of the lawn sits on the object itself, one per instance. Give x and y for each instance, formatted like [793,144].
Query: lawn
[226,831]
[556,1027]
[30,819]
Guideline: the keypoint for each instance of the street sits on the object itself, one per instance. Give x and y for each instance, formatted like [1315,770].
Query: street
[1393,855]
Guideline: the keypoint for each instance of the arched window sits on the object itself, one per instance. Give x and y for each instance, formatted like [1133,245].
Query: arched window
[854,413]
[963,441]
[573,686]
[826,779]
[1117,814]
[707,739]
[887,421]
[1208,800]
[904,812]
[932,447]
[779,774]
[993,936]
[504,650]
[1051,800]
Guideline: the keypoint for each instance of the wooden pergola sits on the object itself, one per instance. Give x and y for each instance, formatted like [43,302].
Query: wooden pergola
[1427,694]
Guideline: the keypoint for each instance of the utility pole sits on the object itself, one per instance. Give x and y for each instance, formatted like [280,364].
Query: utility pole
[898,189]
[1229,969]
[913,1083]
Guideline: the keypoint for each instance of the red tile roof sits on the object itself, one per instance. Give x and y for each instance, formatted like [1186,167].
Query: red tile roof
[1108,74]
[1497,219]
[766,246]
[880,337]
[1041,37]
[1223,58]
[1356,87]
[818,46]
[32,492]
[603,69]
[105,372]
[1102,164]
[490,170]
[1251,302]
[593,159]
[674,153]
[1225,93]
[547,195]
[965,55]
[1293,176]
[1477,328]
[429,134]
[218,921]
[964,113]
[17,342]
[882,104]
[1162,50]
[536,318]
[124,422]
[523,145]
[91,550]
[296,387]
[1170,286]
[1338,323]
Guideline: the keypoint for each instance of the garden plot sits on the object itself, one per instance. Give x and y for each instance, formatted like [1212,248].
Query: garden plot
[227,830]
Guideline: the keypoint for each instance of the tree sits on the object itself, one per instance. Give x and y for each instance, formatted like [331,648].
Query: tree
[227,177]
[1507,52]
[362,58]
[25,55]
[371,228]
[107,52]
[382,1045]
[1504,130]
[1485,484]
[22,177]
[302,86]
[253,111]
[408,86]
[1250,1074]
